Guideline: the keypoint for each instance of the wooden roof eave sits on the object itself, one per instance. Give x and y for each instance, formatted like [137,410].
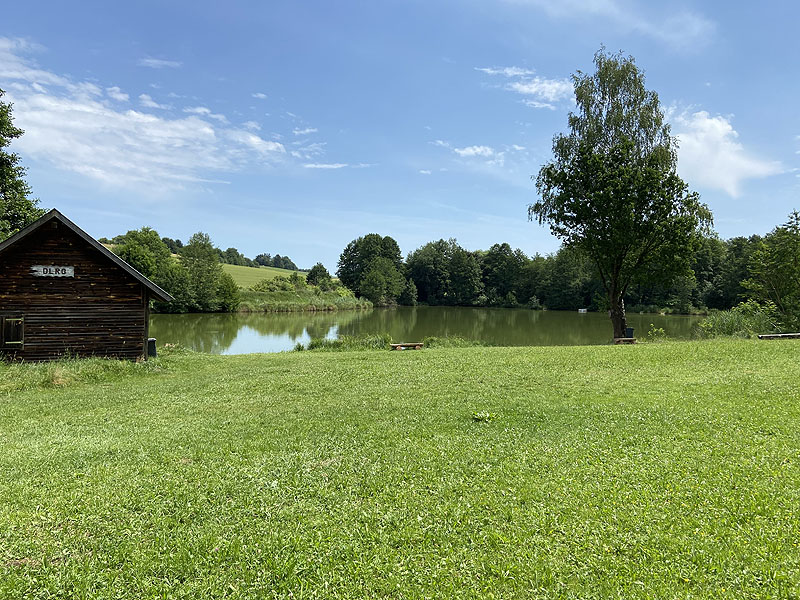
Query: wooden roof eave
[155,290]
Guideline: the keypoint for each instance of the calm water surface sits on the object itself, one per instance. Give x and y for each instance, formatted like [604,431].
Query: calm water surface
[249,333]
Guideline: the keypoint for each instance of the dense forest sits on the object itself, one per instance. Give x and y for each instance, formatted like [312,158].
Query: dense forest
[723,274]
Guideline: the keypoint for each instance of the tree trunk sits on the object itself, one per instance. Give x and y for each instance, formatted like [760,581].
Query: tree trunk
[617,314]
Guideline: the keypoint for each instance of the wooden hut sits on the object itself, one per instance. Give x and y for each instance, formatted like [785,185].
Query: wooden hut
[63,293]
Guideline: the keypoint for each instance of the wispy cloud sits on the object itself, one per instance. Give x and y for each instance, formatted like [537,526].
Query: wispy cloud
[308,151]
[474,151]
[305,131]
[206,112]
[259,95]
[505,163]
[710,155]
[326,165]
[117,94]
[338,165]
[76,127]
[507,71]
[683,30]
[146,101]
[424,172]
[538,92]
[158,63]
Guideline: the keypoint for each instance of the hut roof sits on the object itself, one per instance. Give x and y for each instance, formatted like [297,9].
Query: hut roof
[54,214]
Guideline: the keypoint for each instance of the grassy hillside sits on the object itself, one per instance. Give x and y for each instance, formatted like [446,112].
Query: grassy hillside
[247,276]
[651,471]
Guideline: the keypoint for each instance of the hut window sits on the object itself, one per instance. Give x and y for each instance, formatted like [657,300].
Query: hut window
[13,331]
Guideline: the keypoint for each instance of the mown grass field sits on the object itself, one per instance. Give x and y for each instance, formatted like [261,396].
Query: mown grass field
[247,276]
[651,471]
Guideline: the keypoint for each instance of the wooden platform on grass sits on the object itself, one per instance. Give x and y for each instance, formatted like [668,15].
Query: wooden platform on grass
[624,340]
[779,336]
[407,346]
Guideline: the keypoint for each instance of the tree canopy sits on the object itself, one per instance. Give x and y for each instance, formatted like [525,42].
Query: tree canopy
[17,209]
[319,276]
[372,266]
[775,271]
[611,190]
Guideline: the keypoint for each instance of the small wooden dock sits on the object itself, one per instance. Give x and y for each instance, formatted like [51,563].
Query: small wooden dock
[624,340]
[779,336]
[407,346]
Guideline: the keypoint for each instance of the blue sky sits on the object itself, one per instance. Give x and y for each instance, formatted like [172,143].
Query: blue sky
[293,127]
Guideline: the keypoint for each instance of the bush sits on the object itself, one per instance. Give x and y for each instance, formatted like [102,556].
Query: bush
[347,343]
[656,334]
[307,300]
[228,294]
[276,284]
[744,320]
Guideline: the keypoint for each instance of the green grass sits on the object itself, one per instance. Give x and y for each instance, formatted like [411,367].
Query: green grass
[248,276]
[666,470]
[347,343]
[298,301]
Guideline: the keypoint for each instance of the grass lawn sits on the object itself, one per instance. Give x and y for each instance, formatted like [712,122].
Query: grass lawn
[651,471]
[247,276]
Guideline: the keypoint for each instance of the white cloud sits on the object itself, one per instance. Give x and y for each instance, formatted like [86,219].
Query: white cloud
[683,30]
[157,63]
[13,66]
[483,156]
[325,165]
[517,147]
[308,151]
[251,125]
[424,172]
[259,95]
[551,90]
[146,101]
[115,93]
[507,71]
[539,92]
[474,151]
[206,112]
[710,154]
[305,131]
[74,126]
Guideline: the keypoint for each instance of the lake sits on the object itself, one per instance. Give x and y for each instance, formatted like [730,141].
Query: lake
[276,332]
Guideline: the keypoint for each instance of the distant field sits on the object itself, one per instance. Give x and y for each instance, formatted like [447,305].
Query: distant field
[247,276]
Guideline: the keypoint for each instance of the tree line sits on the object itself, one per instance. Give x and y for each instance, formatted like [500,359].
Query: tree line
[231,256]
[722,273]
[196,280]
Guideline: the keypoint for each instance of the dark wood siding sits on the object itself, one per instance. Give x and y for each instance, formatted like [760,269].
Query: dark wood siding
[100,311]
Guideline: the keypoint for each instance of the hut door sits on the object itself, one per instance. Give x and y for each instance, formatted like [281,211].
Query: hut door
[12,331]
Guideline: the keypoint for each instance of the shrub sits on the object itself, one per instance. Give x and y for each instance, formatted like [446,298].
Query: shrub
[744,320]
[228,293]
[656,334]
[347,343]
